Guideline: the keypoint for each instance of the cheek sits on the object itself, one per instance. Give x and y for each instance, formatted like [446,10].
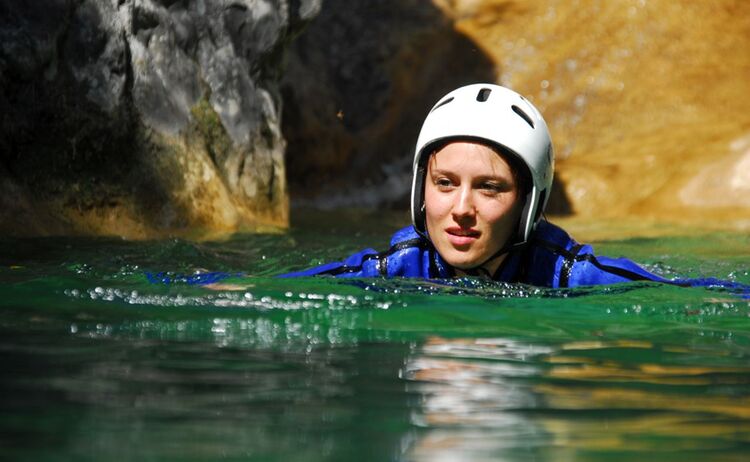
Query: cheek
[507,211]
[495,209]
[436,205]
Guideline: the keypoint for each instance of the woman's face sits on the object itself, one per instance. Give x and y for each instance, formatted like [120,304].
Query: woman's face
[471,204]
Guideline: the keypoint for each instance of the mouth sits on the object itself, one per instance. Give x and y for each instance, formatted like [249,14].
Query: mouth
[461,237]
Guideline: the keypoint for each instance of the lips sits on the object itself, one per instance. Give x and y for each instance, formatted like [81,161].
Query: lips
[462,237]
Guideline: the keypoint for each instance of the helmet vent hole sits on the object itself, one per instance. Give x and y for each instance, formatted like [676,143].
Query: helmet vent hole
[443,103]
[483,95]
[523,115]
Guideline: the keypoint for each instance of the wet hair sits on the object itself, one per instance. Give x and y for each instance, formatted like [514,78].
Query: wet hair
[518,168]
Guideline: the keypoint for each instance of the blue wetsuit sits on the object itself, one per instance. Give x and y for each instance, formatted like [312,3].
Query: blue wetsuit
[550,259]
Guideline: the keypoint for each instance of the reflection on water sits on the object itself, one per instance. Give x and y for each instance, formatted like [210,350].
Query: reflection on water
[130,399]
[473,398]
[489,398]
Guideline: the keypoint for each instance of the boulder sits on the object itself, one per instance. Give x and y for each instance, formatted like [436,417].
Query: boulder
[143,118]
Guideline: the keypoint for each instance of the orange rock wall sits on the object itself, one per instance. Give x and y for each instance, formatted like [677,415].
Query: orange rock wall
[646,99]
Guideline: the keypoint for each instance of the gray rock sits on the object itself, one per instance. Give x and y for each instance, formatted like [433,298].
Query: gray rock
[145,117]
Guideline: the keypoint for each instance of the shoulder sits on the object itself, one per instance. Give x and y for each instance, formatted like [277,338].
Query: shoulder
[409,255]
[544,257]
[550,235]
[566,263]
[407,234]
[412,255]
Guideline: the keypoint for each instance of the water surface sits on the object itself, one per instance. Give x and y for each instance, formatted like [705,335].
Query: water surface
[101,364]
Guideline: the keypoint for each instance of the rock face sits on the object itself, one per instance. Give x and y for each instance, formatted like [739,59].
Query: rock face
[358,83]
[143,118]
[148,118]
[646,101]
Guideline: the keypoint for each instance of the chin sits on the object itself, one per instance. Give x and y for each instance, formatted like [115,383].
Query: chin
[466,266]
[462,262]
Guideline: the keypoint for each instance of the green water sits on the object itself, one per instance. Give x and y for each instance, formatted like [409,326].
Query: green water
[99,364]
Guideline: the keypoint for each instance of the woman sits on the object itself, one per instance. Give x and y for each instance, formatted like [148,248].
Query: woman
[483,168]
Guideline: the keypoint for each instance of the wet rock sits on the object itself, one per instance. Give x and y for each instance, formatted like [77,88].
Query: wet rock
[142,117]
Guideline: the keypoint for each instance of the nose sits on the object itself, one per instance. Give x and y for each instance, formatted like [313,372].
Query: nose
[463,207]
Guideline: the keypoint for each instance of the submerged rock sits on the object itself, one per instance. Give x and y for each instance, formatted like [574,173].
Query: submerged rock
[143,118]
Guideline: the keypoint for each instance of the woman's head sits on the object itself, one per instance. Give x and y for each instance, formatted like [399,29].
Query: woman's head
[496,140]
[472,205]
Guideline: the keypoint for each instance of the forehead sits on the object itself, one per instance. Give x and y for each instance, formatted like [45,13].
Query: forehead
[470,157]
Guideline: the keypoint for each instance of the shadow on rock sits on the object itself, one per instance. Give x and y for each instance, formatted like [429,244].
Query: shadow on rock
[359,82]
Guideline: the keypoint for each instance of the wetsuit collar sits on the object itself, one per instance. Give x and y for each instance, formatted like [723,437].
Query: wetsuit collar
[508,269]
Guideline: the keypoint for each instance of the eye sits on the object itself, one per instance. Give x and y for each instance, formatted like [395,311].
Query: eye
[443,183]
[491,187]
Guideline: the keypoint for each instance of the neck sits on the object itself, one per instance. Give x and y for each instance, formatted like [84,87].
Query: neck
[487,269]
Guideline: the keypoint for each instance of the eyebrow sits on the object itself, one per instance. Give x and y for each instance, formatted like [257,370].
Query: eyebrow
[498,178]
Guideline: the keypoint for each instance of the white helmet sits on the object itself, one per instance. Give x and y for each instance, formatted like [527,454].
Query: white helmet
[502,119]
